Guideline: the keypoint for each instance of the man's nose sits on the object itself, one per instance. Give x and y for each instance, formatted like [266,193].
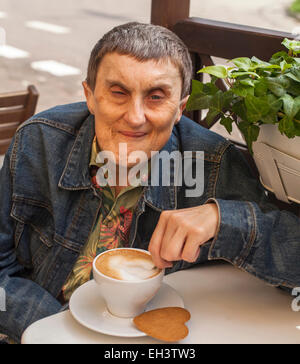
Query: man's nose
[135,115]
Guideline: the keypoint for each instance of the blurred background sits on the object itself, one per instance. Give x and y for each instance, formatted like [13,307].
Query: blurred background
[48,43]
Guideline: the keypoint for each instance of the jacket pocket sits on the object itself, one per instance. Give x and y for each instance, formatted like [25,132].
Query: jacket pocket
[33,233]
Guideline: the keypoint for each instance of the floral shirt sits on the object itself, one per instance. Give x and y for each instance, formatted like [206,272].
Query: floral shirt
[110,231]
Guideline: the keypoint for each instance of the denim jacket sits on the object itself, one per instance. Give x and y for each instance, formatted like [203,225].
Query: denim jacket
[49,207]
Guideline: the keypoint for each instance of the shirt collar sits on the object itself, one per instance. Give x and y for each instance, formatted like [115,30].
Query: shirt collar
[94,153]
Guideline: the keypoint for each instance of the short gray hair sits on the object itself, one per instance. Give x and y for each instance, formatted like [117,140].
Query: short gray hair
[143,42]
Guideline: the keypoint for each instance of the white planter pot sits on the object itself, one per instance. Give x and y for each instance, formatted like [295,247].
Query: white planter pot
[278,161]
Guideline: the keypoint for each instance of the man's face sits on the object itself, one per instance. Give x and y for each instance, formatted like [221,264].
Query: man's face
[136,103]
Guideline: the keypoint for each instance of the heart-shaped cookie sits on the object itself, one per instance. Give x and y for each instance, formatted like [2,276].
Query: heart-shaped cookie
[167,324]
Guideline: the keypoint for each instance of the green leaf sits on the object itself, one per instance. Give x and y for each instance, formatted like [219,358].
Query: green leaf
[250,133]
[210,88]
[297,116]
[294,87]
[235,74]
[217,101]
[288,105]
[274,103]
[284,66]
[260,87]
[286,126]
[296,107]
[267,68]
[262,64]
[198,99]
[242,62]
[227,122]
[197,86]
[247,82]
[270,118]
[279,57]
[218,71]
[293,45]
[259,61]
[277,85]
[240,110]
[291,106]
[256,108]
[292,76]
[296,60]
[198,102]
[211,116]
[295,70]
[221,100]
[213,79]
[242,90]
[228,98]
[297,129]
[206,96]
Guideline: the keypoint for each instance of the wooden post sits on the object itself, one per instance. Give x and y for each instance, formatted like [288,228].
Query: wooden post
[168,12]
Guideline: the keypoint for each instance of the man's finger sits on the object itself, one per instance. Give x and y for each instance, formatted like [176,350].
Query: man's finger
[191,249]
[155,243]
[172,243]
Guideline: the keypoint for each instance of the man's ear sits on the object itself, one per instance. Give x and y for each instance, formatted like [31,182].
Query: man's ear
[89,97]
[182,107]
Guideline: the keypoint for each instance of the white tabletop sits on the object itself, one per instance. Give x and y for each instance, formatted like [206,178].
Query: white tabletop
[226,304]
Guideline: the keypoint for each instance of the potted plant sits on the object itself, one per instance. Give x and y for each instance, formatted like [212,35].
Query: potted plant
[261,98]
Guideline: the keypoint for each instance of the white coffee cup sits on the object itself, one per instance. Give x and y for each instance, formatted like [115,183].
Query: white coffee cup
[126,298]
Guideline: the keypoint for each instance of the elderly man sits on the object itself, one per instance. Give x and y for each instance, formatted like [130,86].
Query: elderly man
[56,216]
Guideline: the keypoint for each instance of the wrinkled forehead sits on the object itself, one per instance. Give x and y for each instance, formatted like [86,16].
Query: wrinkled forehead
[122,57]
[123,66]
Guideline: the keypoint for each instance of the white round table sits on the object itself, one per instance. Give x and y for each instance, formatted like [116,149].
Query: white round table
[227,305]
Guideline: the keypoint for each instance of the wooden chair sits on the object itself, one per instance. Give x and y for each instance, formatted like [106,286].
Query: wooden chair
[209,38]
[15,108]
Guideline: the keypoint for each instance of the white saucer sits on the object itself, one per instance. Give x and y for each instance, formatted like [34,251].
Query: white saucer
[88,308]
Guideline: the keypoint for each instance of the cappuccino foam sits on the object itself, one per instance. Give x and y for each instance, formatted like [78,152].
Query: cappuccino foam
[127,265]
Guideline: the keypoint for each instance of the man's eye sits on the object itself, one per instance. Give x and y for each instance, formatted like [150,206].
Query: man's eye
[118,93]
[156,97]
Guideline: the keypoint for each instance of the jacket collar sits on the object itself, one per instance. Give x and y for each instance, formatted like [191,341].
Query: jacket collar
[164,197]
[76,175]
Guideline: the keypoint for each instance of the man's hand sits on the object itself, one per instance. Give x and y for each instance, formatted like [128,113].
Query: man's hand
[180,233]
